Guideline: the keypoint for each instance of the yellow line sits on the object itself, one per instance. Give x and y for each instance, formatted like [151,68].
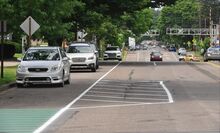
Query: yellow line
[213,64]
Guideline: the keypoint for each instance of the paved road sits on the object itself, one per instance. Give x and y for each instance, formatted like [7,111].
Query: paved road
[126,97]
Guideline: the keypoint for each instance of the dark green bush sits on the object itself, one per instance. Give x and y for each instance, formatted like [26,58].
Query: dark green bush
[9,50]
[17,46]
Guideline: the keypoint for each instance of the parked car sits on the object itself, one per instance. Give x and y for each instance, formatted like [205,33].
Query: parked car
[95,49]
[181,51]
[212,53]
[43,65]
[191,57]
[182,56]
[156,56]
[172,49]
[113,53]
[82,56]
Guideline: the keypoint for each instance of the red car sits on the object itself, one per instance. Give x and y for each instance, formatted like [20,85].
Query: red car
[156,56]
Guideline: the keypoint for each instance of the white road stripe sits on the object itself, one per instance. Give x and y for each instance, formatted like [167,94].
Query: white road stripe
[123,105]
[134,94]
[141,91]
[168,92]
[110,101]
[61,111]
[126,98]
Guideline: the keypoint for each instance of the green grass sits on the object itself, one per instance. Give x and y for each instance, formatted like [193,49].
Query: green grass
[9,75]
[18,55]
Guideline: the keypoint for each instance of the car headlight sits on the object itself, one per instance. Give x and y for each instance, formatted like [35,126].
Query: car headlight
[91,58]
[160,56]
[209,54]
[21,68]
[119,53]
[55,68]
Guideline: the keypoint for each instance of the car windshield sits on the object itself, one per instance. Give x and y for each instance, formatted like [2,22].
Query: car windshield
[112,49]
[41,54]
[79,49]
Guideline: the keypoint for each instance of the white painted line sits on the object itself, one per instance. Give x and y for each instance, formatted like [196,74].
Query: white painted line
[61,111]
[141,91]
[126,98]
[127,93]
[168,92]
[110,101]
[122,105]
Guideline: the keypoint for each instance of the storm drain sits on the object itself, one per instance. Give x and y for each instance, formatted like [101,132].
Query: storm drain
[126,92]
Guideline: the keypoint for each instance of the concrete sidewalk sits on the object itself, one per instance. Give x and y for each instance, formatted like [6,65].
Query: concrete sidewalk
[10,63]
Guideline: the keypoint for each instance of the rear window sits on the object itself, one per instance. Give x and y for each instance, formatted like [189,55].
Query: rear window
[112,48]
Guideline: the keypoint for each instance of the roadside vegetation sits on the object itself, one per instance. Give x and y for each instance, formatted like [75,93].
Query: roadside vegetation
[9,75]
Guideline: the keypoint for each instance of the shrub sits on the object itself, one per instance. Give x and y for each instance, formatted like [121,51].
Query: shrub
[8,51]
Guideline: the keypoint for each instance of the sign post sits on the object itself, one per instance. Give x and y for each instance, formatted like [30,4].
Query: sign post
[29,26]
[2,30]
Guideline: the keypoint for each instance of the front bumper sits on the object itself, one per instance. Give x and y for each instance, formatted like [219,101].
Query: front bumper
[83,65]
[39,78]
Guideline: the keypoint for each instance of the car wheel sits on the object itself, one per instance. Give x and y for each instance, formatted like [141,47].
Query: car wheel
[19,85]
[97,65]
[68,80]
[63,82]
[119,59]
[93,69]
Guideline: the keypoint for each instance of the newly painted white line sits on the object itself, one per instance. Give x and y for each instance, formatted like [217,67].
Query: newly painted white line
[109,101]
[121,105]
[61,111]
[167,91]
[126,98]
[128,94]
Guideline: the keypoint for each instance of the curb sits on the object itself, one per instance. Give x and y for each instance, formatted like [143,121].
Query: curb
[7,86]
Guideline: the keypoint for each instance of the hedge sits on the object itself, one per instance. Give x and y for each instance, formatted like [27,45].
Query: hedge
[9,50]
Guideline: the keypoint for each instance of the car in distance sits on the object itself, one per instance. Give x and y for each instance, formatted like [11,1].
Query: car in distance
[182,56]
[191,57]
[113,53]
[82,56]
[212,53]
[181,51]
[156,56]
[172,49]
[43,65]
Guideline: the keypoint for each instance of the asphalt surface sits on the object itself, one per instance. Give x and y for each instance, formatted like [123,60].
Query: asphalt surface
[136,96]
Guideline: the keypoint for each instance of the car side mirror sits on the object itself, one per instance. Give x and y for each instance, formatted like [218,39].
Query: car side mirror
[19,59]
[66,58]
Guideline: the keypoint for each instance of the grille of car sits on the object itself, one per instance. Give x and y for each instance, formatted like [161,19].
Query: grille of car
[111,55]
[78,59]
[37,69]
[37,79]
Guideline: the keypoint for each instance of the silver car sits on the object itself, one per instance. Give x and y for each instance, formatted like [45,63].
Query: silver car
[43,65]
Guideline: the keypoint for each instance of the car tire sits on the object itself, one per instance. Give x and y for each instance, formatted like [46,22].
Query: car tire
[63,82]
[68,80]
[19,85]
[93,69]
[119,59]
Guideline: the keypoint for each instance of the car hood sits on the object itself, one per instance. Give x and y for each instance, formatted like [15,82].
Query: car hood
[39,64]
[112,52]
[80,55]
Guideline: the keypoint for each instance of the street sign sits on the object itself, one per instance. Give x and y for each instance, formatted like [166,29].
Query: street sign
[29,26]
[81,35]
